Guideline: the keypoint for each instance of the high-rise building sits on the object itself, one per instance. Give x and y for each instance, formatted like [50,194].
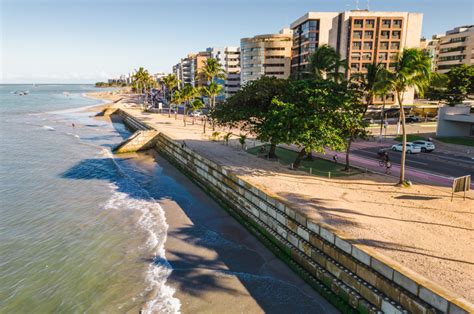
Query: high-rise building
[431,49]
[454,48]
[361,37]
[268,55]
[229,58]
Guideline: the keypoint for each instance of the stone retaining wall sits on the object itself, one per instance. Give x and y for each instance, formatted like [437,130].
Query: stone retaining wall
[353,278]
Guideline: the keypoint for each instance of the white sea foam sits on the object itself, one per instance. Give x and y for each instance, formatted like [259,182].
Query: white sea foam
[153,221]
[49,128]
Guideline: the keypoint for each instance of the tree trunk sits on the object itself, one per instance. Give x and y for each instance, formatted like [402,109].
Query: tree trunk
[382,117]
[204,124]
[299,158]
[348,151]
[404,141]
[272,152]
[212,119]
[184,116]
[309,155]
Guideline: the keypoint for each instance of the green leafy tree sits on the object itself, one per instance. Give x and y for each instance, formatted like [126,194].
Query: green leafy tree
[176,100]
[412,70]
[197,104]
[141,80]
[307,116]
[170,82]
[460,84]
[249,108]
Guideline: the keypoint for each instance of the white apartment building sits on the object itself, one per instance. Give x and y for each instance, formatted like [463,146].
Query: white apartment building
[229,58]
[454,48]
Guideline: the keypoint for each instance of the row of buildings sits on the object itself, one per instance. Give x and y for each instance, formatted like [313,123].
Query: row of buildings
[360,36]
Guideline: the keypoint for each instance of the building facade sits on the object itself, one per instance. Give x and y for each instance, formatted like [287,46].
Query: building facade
[268,55]
[229,58]
[455,48]
[361,37]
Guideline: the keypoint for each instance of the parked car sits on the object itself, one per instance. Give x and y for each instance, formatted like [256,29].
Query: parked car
[196,113]
[411,148]
[426,146]
[411,119]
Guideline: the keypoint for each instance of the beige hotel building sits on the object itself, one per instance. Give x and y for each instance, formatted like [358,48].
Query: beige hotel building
[360,36]
[268,55]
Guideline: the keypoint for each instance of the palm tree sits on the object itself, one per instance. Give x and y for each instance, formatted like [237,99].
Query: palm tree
[211,91]
[326,63]
[212,69]
[188,93]
[171,82]
[197,104]
[141,79]
[176,100]
[412,69]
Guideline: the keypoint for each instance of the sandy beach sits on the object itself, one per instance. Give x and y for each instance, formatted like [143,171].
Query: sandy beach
[418,227]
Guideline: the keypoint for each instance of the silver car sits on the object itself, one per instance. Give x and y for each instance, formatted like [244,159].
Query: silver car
[426,146]
[411,148]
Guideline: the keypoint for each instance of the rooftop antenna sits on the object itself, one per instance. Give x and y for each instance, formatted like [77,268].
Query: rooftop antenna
[368,5]
[357,5]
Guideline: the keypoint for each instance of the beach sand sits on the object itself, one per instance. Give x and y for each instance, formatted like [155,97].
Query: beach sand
[218,266]
[417,227]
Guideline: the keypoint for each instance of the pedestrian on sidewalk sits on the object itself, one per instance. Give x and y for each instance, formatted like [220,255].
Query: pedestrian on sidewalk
[388,165]
[335,158]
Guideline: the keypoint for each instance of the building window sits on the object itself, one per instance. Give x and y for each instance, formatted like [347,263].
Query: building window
[367,56]
[356,45]
[384,45]
[358,23]
[355,67]
[385,34]
[452,58]
[357,35]
[355,56]
[397,23]
[386,23]
[396,35]
[369,35]
[369,23]
[395,45]
[368,45]
[383,56]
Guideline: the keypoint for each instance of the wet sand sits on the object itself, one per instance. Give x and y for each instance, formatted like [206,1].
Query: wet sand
[218,266]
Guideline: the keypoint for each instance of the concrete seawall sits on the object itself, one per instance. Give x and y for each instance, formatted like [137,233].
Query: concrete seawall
[351,277]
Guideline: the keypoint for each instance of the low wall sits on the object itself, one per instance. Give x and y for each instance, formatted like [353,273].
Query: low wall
[352,277]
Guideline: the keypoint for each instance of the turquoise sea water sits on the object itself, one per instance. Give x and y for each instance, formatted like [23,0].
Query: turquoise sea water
[76,229]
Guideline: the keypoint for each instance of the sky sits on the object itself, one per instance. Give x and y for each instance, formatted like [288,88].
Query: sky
[85,41]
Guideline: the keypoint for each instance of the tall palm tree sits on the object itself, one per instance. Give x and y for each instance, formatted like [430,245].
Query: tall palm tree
[212,69]
[171,82]
[176,100]
[188,93]
[326,63]
[372,83]
[412,69]
[212,90]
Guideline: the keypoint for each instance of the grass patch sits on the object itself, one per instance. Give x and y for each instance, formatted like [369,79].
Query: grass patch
[458,140]
[411,138]
[318,166]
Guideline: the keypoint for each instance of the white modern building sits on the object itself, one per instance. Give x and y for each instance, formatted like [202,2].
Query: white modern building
[229,58]
[454,48]
[455,121]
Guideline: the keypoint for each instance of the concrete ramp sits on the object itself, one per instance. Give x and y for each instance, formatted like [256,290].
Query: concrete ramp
[140,140]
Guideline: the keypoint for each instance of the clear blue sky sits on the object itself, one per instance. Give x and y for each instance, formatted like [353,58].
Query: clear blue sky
[85,41]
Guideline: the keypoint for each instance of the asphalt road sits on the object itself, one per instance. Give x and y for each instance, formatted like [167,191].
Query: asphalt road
[435,162]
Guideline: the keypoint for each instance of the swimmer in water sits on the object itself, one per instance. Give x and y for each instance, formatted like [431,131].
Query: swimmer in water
[73,125]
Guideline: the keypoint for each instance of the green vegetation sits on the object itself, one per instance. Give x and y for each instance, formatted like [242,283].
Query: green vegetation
[317,166]
[170,82]
[466,141]
[110,84]
[142,81]
[453,87]
[410,138]
[212,69]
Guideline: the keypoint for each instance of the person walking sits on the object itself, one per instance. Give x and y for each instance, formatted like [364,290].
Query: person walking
[335,158]
[388,165]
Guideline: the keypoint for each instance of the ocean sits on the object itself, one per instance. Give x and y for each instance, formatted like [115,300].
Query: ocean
[78,233]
